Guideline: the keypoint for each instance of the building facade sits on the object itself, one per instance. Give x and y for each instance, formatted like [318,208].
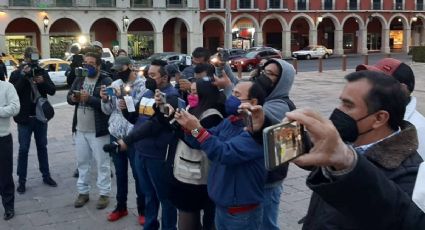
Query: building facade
[146,26]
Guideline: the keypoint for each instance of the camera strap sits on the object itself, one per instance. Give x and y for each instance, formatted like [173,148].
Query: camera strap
[35,92]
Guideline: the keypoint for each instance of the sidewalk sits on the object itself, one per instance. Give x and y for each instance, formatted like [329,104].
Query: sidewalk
[42,207]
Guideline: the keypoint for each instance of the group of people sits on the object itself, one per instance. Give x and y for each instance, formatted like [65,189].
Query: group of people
[193,152]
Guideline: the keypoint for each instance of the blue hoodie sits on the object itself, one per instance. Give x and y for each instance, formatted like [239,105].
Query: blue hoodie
[163,144]
[237,173]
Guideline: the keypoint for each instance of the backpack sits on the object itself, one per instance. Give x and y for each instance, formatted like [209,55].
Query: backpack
[191,165]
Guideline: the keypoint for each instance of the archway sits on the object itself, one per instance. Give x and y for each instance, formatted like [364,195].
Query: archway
[140,39]
[213,34]
[300,30]
[418,32]
[350,40]
[398,34]
[175,34]
[21,33]
[244,33]
[272,32]
[98,32]
[326,33]
[62,34]
[374,35]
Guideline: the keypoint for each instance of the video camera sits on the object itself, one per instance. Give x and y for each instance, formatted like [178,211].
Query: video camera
[36,70]
[223,55]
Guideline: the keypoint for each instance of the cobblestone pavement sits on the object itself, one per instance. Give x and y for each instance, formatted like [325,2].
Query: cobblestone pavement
[42,207]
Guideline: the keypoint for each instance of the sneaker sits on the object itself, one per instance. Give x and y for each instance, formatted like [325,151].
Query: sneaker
[142,220]
[117,214]
[81,200]
[75,174]
[21,188]
[9,214]
[50,182]
[102,202]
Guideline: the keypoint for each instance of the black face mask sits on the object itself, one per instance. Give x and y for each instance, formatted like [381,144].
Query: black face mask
[124,75]
[265,83]
[347,126]
[150,84]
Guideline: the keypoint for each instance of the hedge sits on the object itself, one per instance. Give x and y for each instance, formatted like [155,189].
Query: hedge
[418,53]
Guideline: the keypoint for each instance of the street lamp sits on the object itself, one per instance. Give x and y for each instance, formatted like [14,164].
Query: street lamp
[414,19]
[319,19]
[125,21]
[45,22]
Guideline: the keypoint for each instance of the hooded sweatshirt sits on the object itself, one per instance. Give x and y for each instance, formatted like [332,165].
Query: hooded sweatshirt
[275,106]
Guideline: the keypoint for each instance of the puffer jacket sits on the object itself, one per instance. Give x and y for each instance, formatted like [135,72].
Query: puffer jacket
[395,156]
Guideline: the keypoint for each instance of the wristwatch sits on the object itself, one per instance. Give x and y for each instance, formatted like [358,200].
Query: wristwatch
[195,132]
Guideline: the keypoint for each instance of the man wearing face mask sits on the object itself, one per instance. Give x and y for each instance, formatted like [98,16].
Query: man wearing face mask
[155,145]
[276,78]
[91,127]
[237,172]
[128,83]
[370,118]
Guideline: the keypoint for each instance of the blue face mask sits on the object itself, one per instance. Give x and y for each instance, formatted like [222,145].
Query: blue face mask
[231,105]
[92,71]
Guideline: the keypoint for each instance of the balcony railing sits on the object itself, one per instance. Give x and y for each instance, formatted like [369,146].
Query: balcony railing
[176,3]
[63,3]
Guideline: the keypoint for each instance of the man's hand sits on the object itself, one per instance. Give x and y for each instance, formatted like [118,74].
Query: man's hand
[223,81]
[258,117]
[84,97]
[121,104]
[184,85]
[123,146]
[157,97]
[187,120]
[38,79]
[74,98]
[329,149]
[103,94]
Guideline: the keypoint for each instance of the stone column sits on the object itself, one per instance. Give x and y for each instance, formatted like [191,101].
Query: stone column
[45,46]
[3,44]
[422,36]
[286,43]
[406,39]
[158,43]
[385,41]
[362,41]
[338,42]
[312,37]
[258,37]
[124,41]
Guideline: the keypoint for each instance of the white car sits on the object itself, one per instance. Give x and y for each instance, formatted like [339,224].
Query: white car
[312,52]
[107,55]
[56,68]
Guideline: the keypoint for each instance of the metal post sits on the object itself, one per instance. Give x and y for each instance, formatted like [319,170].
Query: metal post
[366,59]
[228,27]
[344,62]
[295,64]
[320,64]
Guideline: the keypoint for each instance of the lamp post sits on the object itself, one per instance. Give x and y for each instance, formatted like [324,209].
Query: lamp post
[45,22]
[125,21]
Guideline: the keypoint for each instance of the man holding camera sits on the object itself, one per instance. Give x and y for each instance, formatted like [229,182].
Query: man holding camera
[91,127]
[28,77]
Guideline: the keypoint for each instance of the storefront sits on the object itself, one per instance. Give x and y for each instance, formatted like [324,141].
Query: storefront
[59,45]
[243,34]
[16,44]
[140,45]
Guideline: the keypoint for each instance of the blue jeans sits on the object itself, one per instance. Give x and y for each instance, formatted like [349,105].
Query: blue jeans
[271,207]
[121,160]
[250,220]
[24,137]
[155,178]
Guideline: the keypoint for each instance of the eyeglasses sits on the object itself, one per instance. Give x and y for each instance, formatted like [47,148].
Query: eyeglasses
[244,99]
[269,73]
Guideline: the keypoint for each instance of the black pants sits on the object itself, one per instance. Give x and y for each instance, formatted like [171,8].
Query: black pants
[7,187]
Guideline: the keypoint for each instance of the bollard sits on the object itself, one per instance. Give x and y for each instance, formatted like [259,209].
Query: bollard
[366,59]
[295,64]
[344,62]
[320,64]
[239,67]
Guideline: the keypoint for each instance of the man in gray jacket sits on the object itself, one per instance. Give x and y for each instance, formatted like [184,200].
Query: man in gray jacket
[9,107]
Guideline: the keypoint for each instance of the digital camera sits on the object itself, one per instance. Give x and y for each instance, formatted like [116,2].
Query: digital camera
[81,72]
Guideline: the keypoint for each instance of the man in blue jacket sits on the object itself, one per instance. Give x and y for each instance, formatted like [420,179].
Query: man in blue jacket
[237,174]
[155,148]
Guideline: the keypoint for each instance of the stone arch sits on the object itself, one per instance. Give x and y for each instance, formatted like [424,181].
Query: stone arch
[357,17]
[282,21]
[254,20]
[70,17]
[309,20]
[189,28]
[118,26]
[213,16]
[334,19]
[404,20]
[380,17]
[146,19]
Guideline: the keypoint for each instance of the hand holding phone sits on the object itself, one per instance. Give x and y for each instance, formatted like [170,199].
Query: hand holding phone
[247,120]
[181,104]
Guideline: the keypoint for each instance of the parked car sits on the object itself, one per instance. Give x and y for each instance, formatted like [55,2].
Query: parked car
[56,68]
[181,60]
[251,59]
[107,55]
[233,54]
[11,63]
[313,52]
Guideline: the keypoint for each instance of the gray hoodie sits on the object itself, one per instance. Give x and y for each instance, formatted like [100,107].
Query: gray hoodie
[275,106]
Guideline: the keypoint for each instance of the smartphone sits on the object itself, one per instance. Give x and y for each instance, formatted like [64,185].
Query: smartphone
[76,93]
[110,91]
[284,142]
[163,97]
[181,104]
[247,119]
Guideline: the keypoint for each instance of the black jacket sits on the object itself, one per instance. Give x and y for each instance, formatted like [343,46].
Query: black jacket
[26,96]
[100,119]
[373,203]
[395,157]
[3,71]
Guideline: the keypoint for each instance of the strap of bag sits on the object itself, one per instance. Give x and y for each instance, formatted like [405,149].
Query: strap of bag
[210,112]
[290,103]
[35,91]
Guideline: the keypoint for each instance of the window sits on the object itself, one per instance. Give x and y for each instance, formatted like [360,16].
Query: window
[302,5]
[63,67]
[376,5]
[105,3]
[175,3]
[420,5]
[328,5]
[352,5]
[63,3]
[274,4]
[398,4]
[142,3]
[214,4]
[245,4]
[20,2]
